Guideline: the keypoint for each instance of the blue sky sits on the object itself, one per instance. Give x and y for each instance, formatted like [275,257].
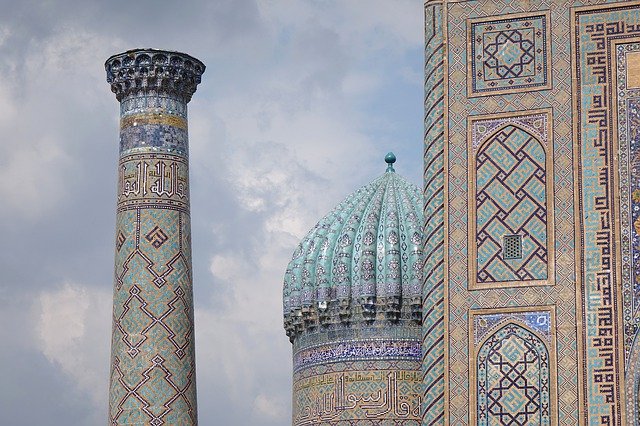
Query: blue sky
[300,102]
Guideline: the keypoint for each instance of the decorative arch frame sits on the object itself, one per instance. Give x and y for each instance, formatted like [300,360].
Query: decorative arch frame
[513,319]
[483,130]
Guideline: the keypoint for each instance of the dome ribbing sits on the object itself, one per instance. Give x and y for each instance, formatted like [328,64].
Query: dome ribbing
[360,264]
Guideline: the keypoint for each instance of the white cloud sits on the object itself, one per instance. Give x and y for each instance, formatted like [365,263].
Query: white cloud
[270,406]
[243,361]
[374,24]
[54,80]
[73,323]
[289,148]
[30,182]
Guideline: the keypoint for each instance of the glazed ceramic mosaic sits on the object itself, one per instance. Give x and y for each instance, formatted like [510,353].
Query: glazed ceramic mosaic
[531,126]
[598,34]
[352,300]
[153,379]
[514,353]
[433,289]
[511,186]
[357,350]
[349,380]
[513,379]
[509,54]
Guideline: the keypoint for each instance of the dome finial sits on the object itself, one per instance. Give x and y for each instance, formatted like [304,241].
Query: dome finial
[390,158]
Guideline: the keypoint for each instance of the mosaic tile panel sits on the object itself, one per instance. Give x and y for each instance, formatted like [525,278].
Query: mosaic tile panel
[356,350]
[155,178]
[538,321]
[513,379]
[601,257]
[433,289]
[357,376]
[629,171]
[509,53]
[628,129]
[152,105]
[511,185]
[460,104]
[168,137]
[596,32]
[153,357]
[372,396]
[513,368]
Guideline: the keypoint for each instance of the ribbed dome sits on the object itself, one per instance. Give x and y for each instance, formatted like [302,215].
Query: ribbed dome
[362,263]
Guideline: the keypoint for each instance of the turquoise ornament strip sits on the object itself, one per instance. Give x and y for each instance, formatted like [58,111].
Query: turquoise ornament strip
[433,302]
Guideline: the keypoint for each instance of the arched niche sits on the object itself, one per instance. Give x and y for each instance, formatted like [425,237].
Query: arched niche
[510,215]
[513,378]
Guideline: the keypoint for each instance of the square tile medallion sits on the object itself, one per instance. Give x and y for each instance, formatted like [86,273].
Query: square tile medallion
[509,54]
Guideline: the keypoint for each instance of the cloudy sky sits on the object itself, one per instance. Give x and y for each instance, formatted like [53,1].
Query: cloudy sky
[300,102]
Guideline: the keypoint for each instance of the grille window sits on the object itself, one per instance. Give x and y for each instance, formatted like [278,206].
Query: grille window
[511,247]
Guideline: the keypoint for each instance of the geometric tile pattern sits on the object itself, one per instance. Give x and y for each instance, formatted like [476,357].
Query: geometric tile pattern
[593,223]
[460,103]
[509,54]
[513,378]
[509,179]
[153,371]
[511,199]
[597,32]
[513,368]
[153,378]
[433,289]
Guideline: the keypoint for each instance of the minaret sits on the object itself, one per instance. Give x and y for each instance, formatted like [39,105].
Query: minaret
[153,380]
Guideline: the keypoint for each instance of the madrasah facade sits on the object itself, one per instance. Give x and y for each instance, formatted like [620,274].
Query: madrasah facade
[505,291]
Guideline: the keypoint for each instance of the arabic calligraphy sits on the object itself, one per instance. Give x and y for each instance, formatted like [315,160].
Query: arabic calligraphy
[153,178]
[382,394]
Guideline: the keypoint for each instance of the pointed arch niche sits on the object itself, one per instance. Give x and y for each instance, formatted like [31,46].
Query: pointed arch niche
[513,367]
[511,200]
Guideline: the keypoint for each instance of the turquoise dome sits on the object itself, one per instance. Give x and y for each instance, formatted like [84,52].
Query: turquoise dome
[361,263]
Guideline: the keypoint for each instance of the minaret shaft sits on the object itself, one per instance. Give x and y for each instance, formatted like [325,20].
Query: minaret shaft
[153,379]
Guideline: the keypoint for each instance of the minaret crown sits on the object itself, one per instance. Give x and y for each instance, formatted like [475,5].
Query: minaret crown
[151,70]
